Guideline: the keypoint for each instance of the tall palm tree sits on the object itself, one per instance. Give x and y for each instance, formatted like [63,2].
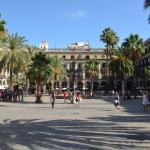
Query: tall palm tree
[91,69]
[14,58]
[121,65]
[110,38]
[32,50]
[133,47]
[147,6]
[58,71]
[2,28]
[39,72]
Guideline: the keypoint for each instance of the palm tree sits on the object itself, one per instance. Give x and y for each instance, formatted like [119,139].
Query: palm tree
[121,66]
[110,38]
[58,71]
[32,50]
[39,72]
[133,47]
[147,6]
[91,69]
[2,28]
[14,57]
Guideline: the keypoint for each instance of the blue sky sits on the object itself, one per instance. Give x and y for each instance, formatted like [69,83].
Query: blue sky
[62,22]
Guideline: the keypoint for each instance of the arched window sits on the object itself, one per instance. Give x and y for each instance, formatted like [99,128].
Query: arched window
[87,57]
[79,57]
[72,57]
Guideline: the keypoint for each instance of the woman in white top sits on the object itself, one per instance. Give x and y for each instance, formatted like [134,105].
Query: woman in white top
[145,101]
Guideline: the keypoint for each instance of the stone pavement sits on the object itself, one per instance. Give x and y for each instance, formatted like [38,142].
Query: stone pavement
[94,126]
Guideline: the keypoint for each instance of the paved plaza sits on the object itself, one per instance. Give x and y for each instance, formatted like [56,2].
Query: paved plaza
[94,126]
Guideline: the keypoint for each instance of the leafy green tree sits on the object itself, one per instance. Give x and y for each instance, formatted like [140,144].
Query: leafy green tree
[39,72]
[147,6]
[121,66]
[14,57]
[91,69]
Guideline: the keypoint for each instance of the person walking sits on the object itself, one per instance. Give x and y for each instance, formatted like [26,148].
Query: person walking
[78,98]
[145,101]
[65,96]
[53,99]
[117,101]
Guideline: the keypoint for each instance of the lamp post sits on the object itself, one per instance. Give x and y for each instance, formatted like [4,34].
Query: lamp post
[74,80]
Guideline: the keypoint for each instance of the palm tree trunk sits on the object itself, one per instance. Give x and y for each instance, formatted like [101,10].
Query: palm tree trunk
[91,93]
[123,84]
[38,91]
[10,78]
[107,67]
[134,82]
[27,84]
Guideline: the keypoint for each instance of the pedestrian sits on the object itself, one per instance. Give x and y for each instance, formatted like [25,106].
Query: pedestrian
[91,95]
[53,98]
[145,101]
[21,94]
[65,96]
[15,95]
[78,98]
[116,101]
[74,97]
[10,95]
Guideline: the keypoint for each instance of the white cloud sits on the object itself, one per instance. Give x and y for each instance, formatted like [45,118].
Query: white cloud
[78,14]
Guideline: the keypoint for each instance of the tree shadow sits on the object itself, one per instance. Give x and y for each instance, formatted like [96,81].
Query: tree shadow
[90,134]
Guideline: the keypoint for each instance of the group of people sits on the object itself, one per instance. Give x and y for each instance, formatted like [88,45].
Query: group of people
[145,101]
[72,97]
[69,97]
[11,95]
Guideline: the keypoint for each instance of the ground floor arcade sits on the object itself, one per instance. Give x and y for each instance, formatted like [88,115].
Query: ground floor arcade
[98,85]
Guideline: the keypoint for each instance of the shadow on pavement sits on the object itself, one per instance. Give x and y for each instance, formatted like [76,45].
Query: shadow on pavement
[92,134]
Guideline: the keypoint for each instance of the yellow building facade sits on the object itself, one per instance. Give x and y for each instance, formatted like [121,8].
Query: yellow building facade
[75,57]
